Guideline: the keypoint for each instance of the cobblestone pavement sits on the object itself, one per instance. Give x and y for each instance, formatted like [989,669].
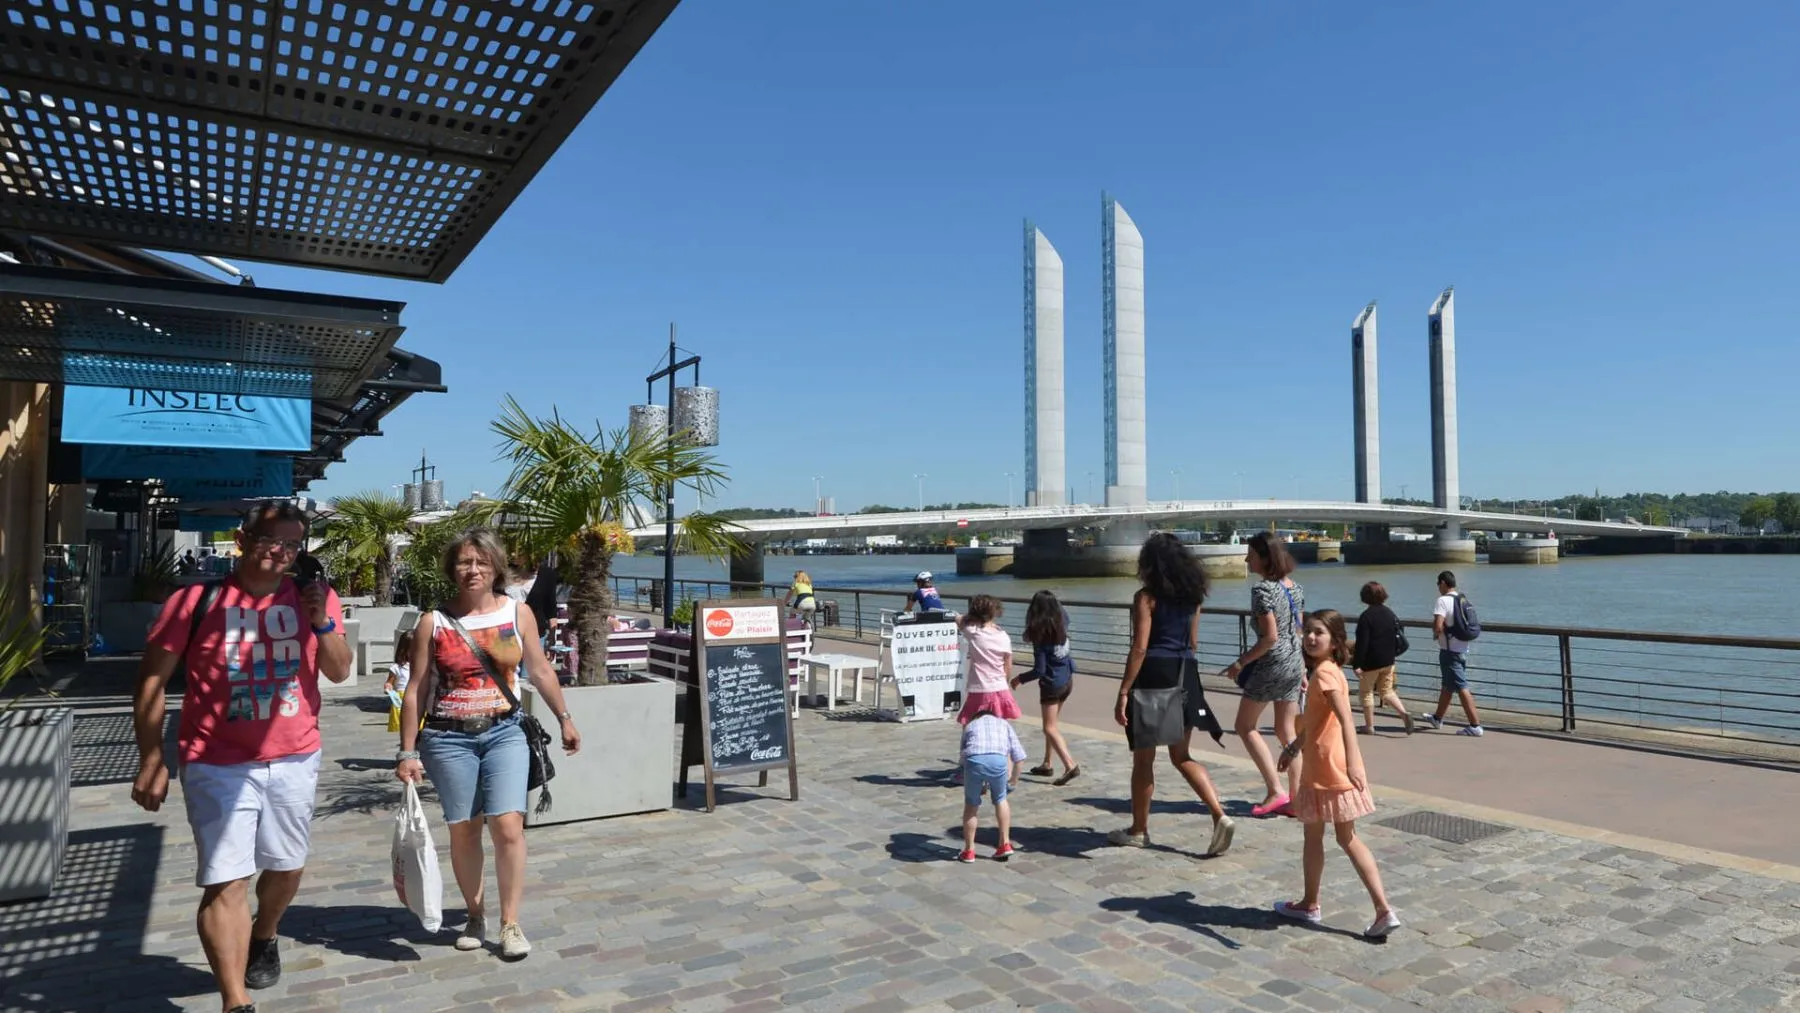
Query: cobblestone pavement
[848,900]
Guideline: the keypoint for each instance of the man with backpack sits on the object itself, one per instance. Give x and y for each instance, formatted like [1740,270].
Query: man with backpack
[254,644]
[1454,623]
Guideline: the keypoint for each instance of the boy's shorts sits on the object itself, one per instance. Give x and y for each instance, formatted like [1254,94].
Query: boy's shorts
[987,770]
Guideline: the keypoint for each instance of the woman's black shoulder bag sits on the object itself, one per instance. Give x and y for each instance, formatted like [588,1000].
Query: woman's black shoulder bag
[537,741]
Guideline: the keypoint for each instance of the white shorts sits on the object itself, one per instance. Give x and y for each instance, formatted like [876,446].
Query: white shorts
[249,817]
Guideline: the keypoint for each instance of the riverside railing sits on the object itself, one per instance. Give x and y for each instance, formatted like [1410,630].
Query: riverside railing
[1742,688]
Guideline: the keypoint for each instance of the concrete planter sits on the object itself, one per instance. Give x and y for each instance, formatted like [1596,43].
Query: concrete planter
[627,758]
[377,626]
[35,772]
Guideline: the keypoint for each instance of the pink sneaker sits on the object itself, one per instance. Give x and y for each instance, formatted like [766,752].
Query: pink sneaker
[1271,809]
[1003,852]
[967,856]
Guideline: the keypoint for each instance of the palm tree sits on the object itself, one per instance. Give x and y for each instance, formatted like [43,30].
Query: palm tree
[361,531]
[580,493]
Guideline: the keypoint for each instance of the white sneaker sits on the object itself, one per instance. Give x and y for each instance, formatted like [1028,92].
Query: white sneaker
[1383,925]
[1473,731]
[1434,721]
[1223,828]
[1127,839]
[513,944]
[473,935]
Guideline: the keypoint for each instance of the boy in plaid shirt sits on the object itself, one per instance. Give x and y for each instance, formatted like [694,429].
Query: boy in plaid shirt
[991,755]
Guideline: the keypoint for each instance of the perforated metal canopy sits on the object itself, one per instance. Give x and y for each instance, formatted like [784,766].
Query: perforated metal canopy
[380,136]
[59,325]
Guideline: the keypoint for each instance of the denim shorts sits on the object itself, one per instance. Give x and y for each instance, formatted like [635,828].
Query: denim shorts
[481,774]
[987,770]
[1453,666]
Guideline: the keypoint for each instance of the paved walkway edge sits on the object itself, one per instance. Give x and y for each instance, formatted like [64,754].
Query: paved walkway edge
[1667,849]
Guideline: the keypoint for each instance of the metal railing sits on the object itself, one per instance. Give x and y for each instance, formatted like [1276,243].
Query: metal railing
[1720,687]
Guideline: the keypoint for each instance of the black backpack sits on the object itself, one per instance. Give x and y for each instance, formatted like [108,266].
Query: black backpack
[1463,625]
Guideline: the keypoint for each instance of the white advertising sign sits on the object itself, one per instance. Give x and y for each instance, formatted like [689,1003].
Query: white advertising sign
[927,660]
[750,622]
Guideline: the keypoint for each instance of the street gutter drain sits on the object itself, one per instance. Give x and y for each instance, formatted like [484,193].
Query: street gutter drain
[1444,827]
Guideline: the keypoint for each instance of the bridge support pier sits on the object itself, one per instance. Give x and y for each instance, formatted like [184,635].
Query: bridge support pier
[1523,550]
[1389,553]
[985,560]
[747,572]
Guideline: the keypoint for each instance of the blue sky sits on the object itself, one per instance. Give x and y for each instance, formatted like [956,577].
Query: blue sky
[827,197]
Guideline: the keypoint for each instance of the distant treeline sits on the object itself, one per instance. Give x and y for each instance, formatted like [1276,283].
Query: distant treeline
[1750,509]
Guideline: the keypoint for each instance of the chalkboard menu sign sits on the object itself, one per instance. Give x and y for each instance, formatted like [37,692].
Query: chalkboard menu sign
[744,720]
[746,695]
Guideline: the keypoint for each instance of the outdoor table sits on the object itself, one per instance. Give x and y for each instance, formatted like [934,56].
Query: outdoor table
[835,665]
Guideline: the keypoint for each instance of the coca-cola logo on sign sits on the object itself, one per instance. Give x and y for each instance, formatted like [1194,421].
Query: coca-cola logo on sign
[718,623]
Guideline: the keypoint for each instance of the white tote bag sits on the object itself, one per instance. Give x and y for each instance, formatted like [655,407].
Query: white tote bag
[416,877]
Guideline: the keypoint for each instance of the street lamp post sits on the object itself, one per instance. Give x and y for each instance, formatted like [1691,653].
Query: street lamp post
[921,480]
[1009,476]
[1175,473]
[697,413]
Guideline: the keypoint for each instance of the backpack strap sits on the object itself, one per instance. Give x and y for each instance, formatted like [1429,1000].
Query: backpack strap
[208,597]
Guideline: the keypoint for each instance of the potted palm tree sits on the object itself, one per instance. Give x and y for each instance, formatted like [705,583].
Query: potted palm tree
[364,530]
[578,491]
[37,743]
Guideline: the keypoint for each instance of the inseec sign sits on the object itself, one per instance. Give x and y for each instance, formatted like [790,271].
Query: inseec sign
[141,416]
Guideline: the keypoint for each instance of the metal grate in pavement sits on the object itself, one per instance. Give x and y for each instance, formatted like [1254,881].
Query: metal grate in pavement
[1443,826]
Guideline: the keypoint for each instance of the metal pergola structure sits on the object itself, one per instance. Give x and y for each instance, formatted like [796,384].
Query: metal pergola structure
[378,136]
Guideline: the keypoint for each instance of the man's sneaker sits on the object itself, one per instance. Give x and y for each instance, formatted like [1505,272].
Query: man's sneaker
[1434,721]
[513,944]
[1126,839]
[967,856]
[264,967]
[473,935]
[1223,828]
[1474,731]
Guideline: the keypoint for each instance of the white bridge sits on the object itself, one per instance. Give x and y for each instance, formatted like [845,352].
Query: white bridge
[1165,515]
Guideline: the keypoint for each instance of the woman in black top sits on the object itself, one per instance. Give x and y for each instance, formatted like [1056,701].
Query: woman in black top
[1378,646]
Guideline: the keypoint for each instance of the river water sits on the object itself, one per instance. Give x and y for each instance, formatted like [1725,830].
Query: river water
[1721,595]
[1736,691]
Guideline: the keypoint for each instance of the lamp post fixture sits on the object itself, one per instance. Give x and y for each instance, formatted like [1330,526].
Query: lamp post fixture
[694,410]
[1175,473]
[921,480]
[1009,476]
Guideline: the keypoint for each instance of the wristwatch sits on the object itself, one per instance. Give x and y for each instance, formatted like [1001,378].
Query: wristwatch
[564,716]
[329,627]
[402,755]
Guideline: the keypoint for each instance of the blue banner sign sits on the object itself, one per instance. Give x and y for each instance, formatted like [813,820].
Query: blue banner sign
[106,460]
[140,416]
[205,523]
[274,477]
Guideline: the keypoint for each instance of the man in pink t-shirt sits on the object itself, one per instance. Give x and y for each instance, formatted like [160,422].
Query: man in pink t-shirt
[254,646]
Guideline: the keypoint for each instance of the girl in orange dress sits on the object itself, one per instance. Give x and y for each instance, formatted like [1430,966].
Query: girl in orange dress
[1333,786]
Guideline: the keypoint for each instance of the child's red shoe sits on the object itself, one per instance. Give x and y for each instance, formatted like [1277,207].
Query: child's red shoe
[967,856]
[1004,852]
